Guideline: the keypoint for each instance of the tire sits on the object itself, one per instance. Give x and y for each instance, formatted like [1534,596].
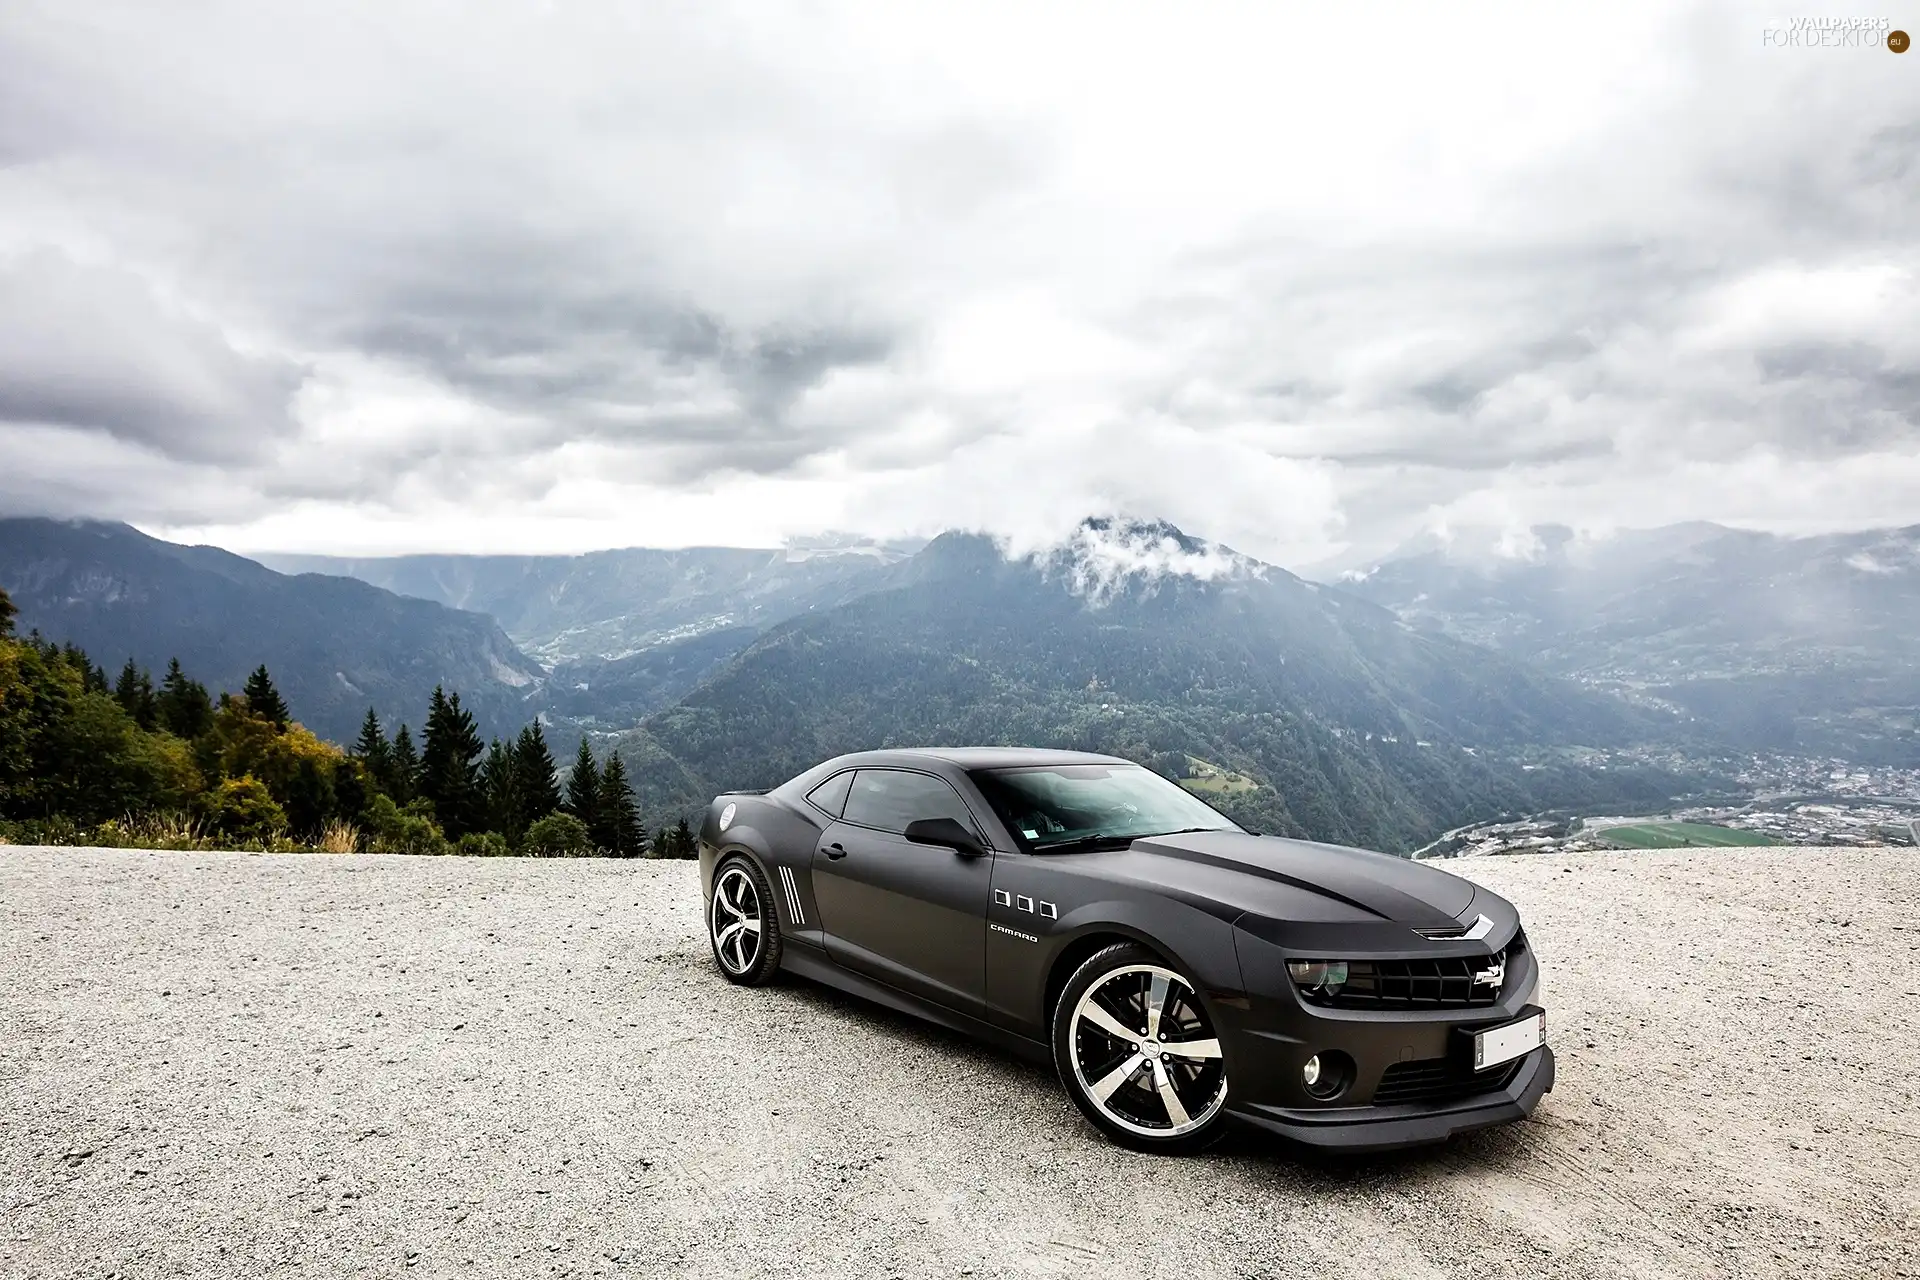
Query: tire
[1135,1091]
[742,927]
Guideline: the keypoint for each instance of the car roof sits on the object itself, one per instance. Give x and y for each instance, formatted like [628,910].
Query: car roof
[982,757]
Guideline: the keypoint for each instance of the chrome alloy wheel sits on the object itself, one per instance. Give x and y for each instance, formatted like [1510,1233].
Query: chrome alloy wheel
[1145,1054]
[733,917]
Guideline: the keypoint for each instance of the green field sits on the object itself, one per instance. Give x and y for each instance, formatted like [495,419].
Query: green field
[1213,779]
[1679,835]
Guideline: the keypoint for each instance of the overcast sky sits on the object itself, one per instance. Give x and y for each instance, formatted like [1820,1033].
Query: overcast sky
[443,276]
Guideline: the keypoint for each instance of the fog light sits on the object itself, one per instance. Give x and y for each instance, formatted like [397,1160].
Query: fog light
[1326,1075]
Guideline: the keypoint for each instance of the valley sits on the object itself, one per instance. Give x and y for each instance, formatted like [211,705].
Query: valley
[1789,646]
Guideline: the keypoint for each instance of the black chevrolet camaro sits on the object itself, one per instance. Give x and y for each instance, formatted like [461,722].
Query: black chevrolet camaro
[1176,970]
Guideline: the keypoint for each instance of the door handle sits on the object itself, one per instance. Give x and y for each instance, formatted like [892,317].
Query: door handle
[834,851]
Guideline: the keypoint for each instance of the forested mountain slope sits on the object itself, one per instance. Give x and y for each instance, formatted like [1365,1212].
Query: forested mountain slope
[335,646]
[1138,640]
[1784,644]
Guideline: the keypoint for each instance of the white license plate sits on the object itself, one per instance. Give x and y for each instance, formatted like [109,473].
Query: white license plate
[1504,1044]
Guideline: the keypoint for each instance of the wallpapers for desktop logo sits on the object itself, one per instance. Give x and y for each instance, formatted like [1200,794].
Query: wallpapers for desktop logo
[1834,33]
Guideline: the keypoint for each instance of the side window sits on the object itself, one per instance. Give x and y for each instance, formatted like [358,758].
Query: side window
[830,796]
[891,798]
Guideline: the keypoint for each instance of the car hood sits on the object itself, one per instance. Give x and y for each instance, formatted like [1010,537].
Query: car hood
[1273,876]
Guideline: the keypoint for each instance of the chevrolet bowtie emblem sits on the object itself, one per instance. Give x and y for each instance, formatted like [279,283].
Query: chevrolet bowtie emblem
[1491,976]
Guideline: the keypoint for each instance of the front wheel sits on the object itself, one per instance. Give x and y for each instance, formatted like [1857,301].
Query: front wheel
[1138,1054]
[741,925]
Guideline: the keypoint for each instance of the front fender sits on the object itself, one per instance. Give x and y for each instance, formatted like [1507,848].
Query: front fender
[1021,975]
[1196,942]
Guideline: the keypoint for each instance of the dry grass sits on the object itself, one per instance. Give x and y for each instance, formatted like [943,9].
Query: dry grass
[157,831]
[338,837]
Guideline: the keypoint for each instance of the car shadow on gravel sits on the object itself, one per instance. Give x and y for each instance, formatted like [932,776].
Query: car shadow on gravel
[1504,1146]
[890,1024]
[1245,1150]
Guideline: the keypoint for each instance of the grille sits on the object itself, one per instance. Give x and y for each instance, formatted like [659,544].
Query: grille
[1444,983]
[1439,1080]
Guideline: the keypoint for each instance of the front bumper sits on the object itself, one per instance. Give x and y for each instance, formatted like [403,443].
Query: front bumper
[1409,1076]
[1386,1128]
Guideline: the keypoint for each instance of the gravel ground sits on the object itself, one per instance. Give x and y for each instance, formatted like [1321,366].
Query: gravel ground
[223,1064]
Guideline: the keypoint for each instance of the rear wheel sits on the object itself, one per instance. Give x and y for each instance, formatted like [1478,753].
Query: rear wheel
[741,925]
[1138,1053]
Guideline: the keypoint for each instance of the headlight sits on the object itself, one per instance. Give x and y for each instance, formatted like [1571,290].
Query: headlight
[1324,976]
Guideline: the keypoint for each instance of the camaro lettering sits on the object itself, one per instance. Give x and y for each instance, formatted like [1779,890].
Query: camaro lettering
[1024,937]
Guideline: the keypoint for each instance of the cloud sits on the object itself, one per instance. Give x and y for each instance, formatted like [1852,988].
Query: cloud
[1104,558]
[93,348]
[550,277]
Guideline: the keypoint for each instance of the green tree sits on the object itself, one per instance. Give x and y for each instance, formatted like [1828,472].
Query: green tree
[558,835]
[403,769]
[309,796]
[404,830]
[583,788]
[7,614]
[242,809]
[352,789]
[450,766]
[500,783]
[371,746]
[265,700]
[134,692]
[483,844]
[537,789]
[619,831]
[184,708]
[375,754]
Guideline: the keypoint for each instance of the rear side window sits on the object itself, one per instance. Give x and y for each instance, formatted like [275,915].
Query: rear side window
[830,796]
[891,798]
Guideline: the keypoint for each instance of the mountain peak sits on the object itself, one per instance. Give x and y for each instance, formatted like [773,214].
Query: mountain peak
[1134,530]
[1111,556]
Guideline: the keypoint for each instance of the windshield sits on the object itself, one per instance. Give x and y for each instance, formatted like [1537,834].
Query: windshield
[1052,805]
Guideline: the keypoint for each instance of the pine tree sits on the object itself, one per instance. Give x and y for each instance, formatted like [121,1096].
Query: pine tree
[403,768]
[538,790]
[184,707]
[620,832]
[134,692]
[674,842]
[583,788]
[498,780]
[7,613]
[126,689]
[263,699]
[375,754]
[450,766]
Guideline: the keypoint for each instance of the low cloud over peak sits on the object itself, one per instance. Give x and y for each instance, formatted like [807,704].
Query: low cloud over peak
[377,278]
[1108,556]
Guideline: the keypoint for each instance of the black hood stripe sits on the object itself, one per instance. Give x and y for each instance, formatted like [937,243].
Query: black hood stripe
[1382,885]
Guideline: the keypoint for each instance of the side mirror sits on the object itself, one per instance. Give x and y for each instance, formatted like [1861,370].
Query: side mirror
[947,832]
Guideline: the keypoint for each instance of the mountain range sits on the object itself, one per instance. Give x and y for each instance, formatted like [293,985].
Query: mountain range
[1301,709]
[608,605]
[1441,686]
[1784,644]
[335,646]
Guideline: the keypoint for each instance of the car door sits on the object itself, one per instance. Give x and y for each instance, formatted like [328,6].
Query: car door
[914,916]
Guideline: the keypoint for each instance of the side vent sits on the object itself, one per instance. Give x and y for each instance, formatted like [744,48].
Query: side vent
[792,889]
